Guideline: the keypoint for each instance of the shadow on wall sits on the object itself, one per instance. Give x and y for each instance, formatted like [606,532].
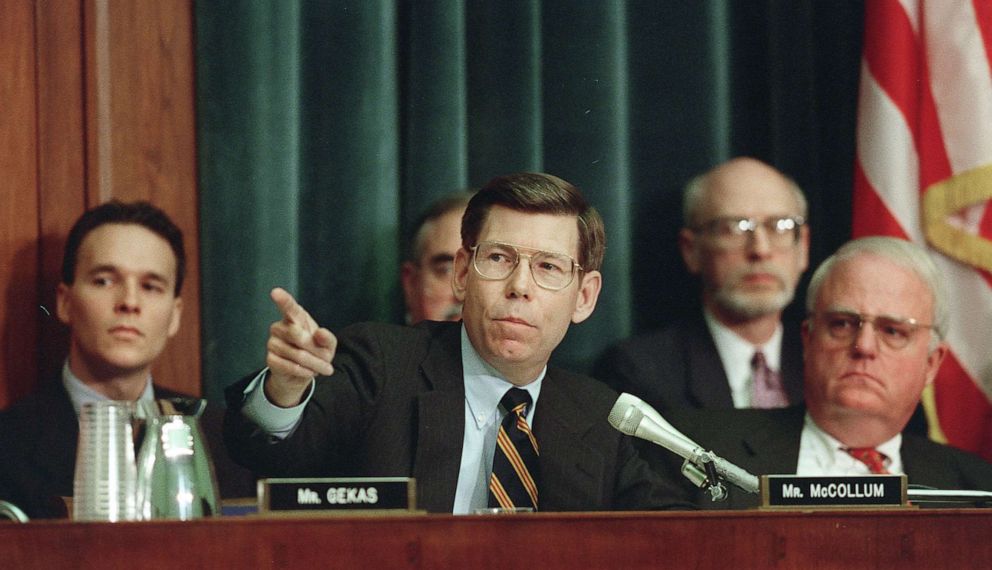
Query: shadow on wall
[34,340]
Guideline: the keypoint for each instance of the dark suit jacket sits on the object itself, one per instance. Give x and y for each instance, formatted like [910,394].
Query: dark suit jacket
[38,439]
[767,442]
[679,367]
[395,406]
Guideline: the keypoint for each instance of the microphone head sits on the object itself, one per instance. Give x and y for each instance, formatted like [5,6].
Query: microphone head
[627,399]
[625,416]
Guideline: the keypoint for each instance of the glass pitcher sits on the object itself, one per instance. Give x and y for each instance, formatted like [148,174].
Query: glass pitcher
[175,473]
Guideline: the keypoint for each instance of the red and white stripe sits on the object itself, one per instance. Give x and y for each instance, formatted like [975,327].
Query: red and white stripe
[924,116]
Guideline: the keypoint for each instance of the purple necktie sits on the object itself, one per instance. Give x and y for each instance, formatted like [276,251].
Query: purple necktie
[768,391]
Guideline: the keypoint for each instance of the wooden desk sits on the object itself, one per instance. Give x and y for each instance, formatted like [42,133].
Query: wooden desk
[847,539]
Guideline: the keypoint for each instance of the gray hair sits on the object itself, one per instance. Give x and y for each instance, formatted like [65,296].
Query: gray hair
[694,190]
[903,253]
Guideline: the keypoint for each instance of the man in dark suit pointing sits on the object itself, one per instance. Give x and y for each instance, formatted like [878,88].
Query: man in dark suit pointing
[429,401]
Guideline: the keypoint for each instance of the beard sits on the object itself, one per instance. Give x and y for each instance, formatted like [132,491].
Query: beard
[735,299]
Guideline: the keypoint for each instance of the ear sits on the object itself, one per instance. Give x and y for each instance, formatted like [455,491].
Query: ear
[805,332]
[177,313]
[408,272]
[934,359]
[803,248]
[588,294]
[690,250]
[459,278]
[63,304]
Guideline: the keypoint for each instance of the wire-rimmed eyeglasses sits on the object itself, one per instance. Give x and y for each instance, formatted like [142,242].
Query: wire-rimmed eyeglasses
[730,232]
[496,260]
[843,326]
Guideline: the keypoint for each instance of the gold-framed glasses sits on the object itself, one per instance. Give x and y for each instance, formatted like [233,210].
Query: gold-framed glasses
[843,326]
[495,260]
[730,232]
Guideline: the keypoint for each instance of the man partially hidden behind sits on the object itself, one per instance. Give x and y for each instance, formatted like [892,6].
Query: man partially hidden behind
[873,339]
[426,273]
[451,403]
[122,272]
[745,236]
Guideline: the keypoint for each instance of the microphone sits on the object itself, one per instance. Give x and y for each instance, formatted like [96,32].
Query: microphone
[629,417]
[632,416]
[626,401]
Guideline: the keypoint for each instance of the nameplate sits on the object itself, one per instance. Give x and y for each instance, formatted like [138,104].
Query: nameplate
[842,491]
[337,494]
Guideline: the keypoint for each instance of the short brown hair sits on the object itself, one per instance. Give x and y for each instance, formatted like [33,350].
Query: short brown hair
[538,193]
[139,213]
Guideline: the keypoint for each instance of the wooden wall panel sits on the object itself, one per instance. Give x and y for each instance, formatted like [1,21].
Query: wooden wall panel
[97,99]
[61,158]
[18,202]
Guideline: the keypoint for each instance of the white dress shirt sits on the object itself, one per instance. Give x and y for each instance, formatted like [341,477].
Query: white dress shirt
[484,388]
[80,393]
[736,354]
[820,454]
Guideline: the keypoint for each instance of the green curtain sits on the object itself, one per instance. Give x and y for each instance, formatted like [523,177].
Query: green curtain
[326,127]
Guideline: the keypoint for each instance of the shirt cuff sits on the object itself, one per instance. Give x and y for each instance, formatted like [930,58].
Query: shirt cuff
[276,421]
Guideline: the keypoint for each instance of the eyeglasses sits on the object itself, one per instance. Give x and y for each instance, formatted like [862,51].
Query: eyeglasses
[844,326]
[496,261]
[731,233]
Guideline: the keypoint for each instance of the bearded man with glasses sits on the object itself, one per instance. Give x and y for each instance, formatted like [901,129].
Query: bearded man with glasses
[873,339]
[745,237]
[472,410]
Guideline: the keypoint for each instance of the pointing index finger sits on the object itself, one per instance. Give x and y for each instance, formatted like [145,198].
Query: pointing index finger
[291,311]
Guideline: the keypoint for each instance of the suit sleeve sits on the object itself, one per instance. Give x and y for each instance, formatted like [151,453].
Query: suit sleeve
[616,368]
[639,487]
[333,421]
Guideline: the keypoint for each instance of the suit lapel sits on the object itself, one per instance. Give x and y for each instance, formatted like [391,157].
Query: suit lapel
[774,443]
[571,471]
[792,364]
[708,382]
[58,438]
[440,423]
[767,444]
[922,472]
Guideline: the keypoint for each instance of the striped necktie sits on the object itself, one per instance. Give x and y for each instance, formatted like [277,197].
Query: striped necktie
[516,476]
[873,458]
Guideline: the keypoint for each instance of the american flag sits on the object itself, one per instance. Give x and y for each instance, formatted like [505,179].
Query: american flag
[924,173]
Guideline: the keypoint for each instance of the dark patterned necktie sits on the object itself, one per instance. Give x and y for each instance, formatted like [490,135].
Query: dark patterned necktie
[767,391]
[515,477]
[873,458]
